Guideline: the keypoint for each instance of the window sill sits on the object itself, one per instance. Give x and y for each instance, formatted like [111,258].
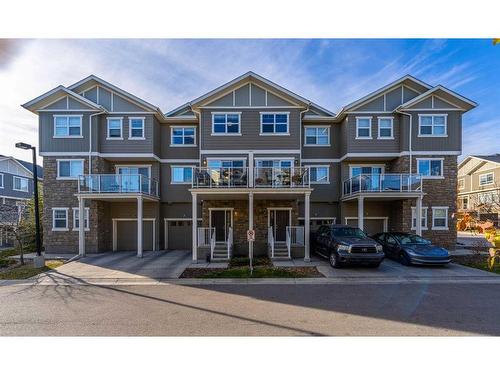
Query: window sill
[328,145]
[60,229]
[113,139]
[137,138]
[439,228]
[21,191]
[225,134]
[183,145]
[386,138]
[274,134]
[432,136]
[364,138]
[67,136]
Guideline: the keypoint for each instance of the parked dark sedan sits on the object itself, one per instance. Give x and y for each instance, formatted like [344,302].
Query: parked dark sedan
[342,244]
[409,248]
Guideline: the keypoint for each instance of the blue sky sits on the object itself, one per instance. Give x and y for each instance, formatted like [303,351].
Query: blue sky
[330,72]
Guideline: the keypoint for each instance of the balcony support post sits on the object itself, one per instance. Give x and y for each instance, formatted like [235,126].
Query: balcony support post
[307,222]
[361,213]
[194,216]
[418,216]
[139,226]
[81,228]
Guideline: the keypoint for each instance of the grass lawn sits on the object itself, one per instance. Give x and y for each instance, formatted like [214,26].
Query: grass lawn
[244,272]
[27,271]
[476,261]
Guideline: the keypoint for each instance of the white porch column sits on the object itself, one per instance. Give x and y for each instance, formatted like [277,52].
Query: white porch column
[194,225]
[250,169]
[361,208]
[307,222]
[139,227]
[418,216]
[81,228]
[250,220]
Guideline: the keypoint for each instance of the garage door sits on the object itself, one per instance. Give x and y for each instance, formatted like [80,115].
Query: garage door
[126,235]
[179,235]
[371,226]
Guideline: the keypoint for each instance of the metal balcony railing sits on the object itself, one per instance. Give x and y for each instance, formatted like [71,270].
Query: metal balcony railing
[117,183]
[383,183]
[288,177]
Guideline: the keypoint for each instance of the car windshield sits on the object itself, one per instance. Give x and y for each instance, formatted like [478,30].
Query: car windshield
[348,232]
[405,239]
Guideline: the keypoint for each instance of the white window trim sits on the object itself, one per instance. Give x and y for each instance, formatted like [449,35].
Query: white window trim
[357,126]
[446,223]
[431,177]
[274,134]
[108,138]
[130,128]
[327,174]
[226,134]
[420,115]
[461,200]
[392,127]
[58,161]
[183,144]
[172,182]
[118,166]
[87,218]
[54,229]
[21,178]
[2,178]
[424,216]
[461,183]
[488,183]
[351,166]
[68,136]
[315,127]
[231,159]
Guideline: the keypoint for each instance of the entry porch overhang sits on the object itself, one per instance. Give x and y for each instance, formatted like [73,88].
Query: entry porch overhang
[113,197]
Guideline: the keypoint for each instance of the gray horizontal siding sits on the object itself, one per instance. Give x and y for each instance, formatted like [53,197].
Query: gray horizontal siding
[374,144]
[323,152]
[168,152]
[46,133]
[127,145]
[8,187]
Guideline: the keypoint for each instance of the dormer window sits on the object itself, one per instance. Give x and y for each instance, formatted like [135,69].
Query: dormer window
[226,123]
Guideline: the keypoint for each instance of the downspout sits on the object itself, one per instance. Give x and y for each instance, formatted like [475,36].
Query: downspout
[90,138]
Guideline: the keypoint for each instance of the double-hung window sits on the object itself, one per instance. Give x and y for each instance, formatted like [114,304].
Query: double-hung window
[182,174]
[182,136]
[439,218]
[317,135]
[432,125]
[414,218]
[226,123]
[59,219]
[69,169]
[461,183]
[76,218]
[385,128]
[486,179]
[115,128]
[67,126]
[136,127]
[430,168]
[319,174]
[363,127]
[274,123]
[21,184]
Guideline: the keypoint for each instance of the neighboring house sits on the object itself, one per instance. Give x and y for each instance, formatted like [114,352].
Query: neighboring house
[478,186]
[249,154]
[16,187]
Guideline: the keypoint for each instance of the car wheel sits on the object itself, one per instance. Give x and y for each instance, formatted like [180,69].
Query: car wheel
[403,259]
[334,260]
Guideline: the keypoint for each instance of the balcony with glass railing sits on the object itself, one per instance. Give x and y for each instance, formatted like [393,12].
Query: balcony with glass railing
[240,177]
[117,184]
[383,183]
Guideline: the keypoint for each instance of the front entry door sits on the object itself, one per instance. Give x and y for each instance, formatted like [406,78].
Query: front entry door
[221,221]
[279,220]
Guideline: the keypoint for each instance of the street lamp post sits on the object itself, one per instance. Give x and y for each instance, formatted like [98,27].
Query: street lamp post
[39,260]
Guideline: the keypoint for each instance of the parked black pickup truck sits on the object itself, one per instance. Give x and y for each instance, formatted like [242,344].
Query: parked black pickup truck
[343,244]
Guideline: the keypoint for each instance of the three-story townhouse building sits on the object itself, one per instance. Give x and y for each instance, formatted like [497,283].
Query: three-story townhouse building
[248,155]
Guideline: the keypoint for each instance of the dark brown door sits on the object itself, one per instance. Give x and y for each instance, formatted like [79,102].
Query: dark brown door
[279,219]
[219,223]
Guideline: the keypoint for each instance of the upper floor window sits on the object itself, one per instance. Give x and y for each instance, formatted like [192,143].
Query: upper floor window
[67,126]
[317,136]
[136,127]
[21,184]
[385,128]
[76,218]
[1,180]
[182,136]
[319,174]
[365,170]
[486,179]
[432,125]
[461,183]
[363,127]
[274,163]
[217,163]
[69,169]
[430,168]
[182,174]
[115,128]
[274,123]
[59,219]
[226,123]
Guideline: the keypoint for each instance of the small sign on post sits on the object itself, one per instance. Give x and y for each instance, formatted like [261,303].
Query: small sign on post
[251,235]
[250,239]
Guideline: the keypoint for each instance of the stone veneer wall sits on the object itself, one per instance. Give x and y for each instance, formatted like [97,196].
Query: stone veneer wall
[240,221]
[438,192]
